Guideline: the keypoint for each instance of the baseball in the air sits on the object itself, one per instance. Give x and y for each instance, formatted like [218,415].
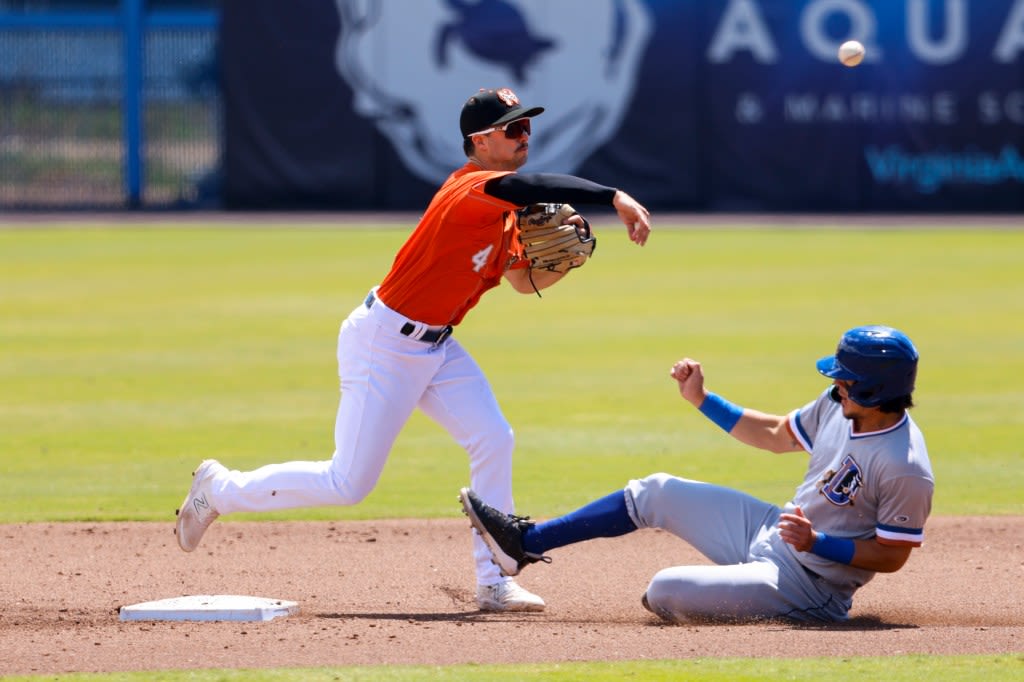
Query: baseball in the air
[851,53]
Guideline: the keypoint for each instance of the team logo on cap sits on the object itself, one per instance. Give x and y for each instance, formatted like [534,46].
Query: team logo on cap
[508,97]
[841,487]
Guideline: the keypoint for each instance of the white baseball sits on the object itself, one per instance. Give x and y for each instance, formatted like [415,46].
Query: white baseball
[851,53]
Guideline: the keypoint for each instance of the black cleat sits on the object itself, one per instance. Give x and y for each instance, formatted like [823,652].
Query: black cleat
[502,533]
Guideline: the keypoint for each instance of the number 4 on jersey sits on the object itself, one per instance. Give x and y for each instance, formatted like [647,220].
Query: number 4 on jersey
[481,257]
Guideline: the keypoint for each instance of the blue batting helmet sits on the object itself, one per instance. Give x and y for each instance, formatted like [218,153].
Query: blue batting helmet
[880,360]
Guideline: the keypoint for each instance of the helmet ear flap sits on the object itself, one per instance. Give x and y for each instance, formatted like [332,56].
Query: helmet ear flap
[867,396]
[861,397]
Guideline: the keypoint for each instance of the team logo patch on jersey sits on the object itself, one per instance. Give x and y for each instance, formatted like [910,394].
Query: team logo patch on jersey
[841,487]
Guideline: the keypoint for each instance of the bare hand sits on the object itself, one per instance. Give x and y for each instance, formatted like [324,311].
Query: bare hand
[634,216]
[796,529]
[690,376]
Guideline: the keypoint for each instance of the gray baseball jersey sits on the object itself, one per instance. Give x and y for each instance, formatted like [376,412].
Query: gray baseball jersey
[860,485]
[857,486]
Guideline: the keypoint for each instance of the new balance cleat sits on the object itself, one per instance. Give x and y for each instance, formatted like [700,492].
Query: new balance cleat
[507,596]
[196,512]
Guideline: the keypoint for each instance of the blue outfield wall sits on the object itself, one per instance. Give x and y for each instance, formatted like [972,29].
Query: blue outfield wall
[688,104]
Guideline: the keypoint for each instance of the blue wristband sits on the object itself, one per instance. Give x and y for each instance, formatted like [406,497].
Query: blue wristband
[839,550]
[721,411]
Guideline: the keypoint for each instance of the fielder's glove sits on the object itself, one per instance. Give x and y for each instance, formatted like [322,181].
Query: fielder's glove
[550,242]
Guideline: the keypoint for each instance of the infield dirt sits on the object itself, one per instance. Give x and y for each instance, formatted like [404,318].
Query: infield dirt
[401,592]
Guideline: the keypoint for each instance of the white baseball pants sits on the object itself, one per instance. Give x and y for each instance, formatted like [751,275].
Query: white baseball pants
[384,376]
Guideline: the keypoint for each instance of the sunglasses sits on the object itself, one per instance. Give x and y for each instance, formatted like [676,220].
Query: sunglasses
[513,130]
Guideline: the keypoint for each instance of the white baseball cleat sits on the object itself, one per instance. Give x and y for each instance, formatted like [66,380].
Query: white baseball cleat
[196,512]
[507,596]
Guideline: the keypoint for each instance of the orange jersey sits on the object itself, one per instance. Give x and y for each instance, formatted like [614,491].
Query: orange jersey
[461,247]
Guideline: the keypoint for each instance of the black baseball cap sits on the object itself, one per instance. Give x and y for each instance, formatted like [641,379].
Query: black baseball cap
[491,108]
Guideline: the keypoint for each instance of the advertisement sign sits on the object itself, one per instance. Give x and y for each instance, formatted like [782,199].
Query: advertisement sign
[690,105]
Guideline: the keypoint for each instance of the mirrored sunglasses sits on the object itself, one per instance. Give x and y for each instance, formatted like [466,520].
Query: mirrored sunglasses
[513,129]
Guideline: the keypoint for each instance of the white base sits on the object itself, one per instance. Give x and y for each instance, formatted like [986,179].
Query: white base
[211,607]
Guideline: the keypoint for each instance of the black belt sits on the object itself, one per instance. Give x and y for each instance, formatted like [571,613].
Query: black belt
[434,336]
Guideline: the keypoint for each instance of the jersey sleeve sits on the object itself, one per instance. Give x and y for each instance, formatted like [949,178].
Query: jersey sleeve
[804,422]
[905,507]
[531,188]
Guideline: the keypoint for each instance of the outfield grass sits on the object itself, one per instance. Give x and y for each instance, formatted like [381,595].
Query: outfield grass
[129,354]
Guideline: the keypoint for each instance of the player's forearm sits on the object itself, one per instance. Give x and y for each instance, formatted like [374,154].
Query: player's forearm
[873,556]
[870,555]
[764,431]
[758,429]
[523,189]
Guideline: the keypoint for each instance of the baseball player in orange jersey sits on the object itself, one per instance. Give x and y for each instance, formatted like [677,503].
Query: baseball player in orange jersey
[396,351]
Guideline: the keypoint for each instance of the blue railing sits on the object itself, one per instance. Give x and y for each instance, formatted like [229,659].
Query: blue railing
[133,22]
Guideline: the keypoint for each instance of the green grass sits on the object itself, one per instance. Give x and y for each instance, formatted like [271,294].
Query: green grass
[129,354]
[1007,668]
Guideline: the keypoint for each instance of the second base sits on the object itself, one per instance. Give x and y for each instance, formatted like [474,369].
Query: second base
[211,608]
